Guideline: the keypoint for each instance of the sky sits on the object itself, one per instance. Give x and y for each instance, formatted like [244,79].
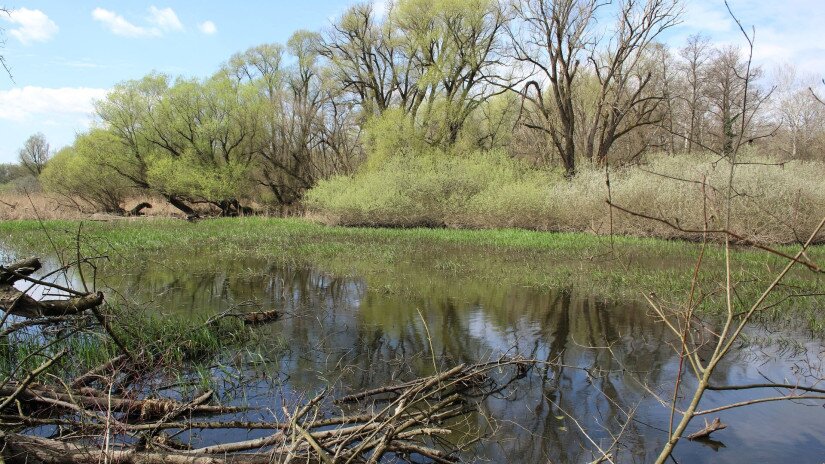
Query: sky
[65,54]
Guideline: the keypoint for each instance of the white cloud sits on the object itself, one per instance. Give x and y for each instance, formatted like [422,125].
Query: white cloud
[165,19]
[28,103]
[161,20]
[118,25]
[208,27]
[33,26]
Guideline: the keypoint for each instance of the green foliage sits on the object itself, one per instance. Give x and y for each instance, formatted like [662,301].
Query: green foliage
[435,188]
[188,177]
[88,172]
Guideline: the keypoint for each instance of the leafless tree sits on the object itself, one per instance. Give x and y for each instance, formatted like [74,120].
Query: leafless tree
[555,38]
[552,39]
[35,154]
[696,53]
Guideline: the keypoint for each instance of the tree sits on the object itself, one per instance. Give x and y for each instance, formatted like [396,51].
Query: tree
[727,80]
[35,154]
[696,54]
[557,40]
[800,115]
[436,60]
[79,175]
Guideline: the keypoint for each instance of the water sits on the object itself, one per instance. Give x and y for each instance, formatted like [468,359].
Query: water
[338,330]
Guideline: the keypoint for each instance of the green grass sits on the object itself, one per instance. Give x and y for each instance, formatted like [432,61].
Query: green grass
[164,341]
[418,261]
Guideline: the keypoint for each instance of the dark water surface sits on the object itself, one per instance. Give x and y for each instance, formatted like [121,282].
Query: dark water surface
[338,330]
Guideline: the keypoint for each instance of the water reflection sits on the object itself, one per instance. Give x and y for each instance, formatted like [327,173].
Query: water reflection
[606,356]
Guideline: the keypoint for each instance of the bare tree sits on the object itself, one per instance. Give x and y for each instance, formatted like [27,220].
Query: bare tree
[555,37]
[696,54]
[552,39]
[3,61]
[35,154]
[800,116]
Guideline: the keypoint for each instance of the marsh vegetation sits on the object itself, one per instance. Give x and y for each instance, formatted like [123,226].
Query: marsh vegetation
[590,243]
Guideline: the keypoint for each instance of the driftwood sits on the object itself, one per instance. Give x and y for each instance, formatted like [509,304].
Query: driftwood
[15,302]
[401,425]
[709,429]
[39,399]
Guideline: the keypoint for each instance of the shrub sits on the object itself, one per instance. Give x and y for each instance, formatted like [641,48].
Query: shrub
[489,190]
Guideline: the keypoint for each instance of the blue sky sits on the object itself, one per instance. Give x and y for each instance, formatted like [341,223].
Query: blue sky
[63,54]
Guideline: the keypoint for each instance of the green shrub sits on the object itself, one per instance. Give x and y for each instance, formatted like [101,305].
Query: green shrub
[489,190]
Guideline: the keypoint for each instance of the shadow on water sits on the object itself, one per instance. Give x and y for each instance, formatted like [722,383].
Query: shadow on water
[607,357]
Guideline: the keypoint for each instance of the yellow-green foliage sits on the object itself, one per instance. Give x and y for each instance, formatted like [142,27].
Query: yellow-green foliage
[83,173]
[188,177]
[428,189]
[489,190]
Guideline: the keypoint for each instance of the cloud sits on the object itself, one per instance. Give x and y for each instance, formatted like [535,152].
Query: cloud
[118,25]
[29,103]
[208,27]
[160,20]
[165,19]
[33,26]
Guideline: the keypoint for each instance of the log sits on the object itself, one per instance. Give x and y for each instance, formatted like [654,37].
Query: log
[19,304]
[26,449]
[138,209]
[13,272]
[45,398]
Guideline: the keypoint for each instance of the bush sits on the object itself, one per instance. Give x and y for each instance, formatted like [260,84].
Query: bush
[489,190]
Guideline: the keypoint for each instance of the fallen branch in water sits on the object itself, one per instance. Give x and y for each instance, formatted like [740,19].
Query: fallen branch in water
[709,429]
[15,302]
[403,425]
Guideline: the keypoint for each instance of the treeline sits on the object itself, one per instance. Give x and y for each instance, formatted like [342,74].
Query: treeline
[557,86]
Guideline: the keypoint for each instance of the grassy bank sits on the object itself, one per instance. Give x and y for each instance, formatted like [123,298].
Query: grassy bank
[416,261]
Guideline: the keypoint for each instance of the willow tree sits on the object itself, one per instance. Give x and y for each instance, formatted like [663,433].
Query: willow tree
[307,127]
[190,141]
[436,61]
[82,174]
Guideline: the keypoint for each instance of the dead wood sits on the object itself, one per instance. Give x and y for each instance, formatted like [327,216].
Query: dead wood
[27,449]
[15,302]
[18,303]
[404,419]
[138,209]
[39,398]
[13,272]
[709,429]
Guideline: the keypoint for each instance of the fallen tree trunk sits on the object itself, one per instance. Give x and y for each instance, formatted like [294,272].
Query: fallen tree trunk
[15,302]
[41,398]
[25,449]
[138,209]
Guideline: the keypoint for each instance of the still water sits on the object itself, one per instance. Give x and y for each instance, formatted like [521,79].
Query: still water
[608,357]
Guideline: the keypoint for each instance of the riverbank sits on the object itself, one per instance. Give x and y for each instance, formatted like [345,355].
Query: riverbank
[617,268]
